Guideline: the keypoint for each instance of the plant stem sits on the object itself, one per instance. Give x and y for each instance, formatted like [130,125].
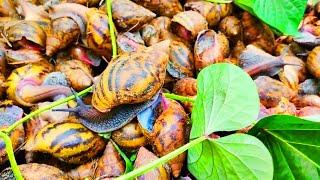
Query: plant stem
[10,154]
[162,160]
[178,97]
[111,27]
[40,110]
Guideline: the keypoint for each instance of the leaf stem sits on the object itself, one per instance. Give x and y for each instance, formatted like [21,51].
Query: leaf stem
[178,97]
[112,27]
[10,155]
[40,110]
[162,160]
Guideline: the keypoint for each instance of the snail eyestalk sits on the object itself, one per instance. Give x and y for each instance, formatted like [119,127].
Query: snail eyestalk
[4,136]
[112,30]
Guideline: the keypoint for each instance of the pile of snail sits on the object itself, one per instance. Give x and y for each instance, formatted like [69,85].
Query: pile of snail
[51,48]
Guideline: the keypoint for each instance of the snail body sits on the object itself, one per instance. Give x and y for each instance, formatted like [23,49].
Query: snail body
[313,62]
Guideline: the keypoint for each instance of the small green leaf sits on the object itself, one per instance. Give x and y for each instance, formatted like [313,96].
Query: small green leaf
[227,100]
[237,156]
[106,136]
[294,144]
[220,1]
[284,15]
[129,165]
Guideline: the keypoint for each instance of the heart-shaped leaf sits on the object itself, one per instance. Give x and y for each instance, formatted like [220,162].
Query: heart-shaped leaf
[237,156]
[227,100]
[294,144]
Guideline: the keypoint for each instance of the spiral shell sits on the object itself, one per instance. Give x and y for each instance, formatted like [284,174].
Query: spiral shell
[129,42]
[132,78]
[145,157]
[188,24]
[130,16]
[232,28]
[98,35]
[309,86]
[7,8]
[70,142]
[26,29]
[162,7]
[28,74]
[83,171]
[64,31]
[78,73]
[170,132]
[129,137]
[284,107]
[271,91]
[210,48]
[23,56]
[313,62]
[89,3]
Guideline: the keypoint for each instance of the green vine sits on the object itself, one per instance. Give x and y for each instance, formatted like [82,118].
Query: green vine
[112,29]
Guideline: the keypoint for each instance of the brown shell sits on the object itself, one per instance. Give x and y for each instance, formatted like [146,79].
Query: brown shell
[132,78]
[145,157]
[162,7]
[309,86]
[186,87]
[150,34]
[308,111]
[210,47]
[170,132]
[23,56]
[110,165]
[2,86]
[3,63]
[129,42]
[78,73]
[98,35]
[306,100]
[128,15]
[313,62]
[284,107]
[64,31]
[232,28]
[34,171]
[237,49]
[271,91]
[188,24]
[89,3]
[129,137]
[8,116]
[26,29]
[181,62]
[257,33]
[292,75]
[84,171]
[7,8]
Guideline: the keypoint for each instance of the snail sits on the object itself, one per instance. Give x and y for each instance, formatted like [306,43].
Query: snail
[188,24]
[110,165]
[89,3]
[306,100]
[34,171]
[170,132]
[78,74]
[186,87]
[23,56]
[3,63]
[85,55]
[129,42]
[70,142]
[210,47]
[8,115]
[213,12]
[3,86]
[26,85]
[162,7]
[257,33]
[271,91]
[128,85]
[232,28]
[129,137]
[7,8]
[84,171]
[313,62]
[284,107]
[129,16]
[309,86]
[144,157]
[308,111]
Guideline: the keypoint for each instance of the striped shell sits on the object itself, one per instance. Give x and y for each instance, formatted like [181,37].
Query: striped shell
[132,78]
[23,56]
[313,62]
[28,74]
[70,142]
[162,7]
[98,35]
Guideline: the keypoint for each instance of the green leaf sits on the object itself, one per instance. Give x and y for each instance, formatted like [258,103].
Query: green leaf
[247,5]
[227,100]
[284,15]
[237,156]
[294,144]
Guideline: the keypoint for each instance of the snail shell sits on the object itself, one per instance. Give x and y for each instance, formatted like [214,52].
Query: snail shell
[70,142]
[78,73]
[130,16]
[98,35]
[26,29]
[129,137]
[162,7]
[308,111]
[210,47]
[32,171]
[309,86]
[129,42]
[284,107]
[170,132]
[313,62]
[271,91]
[232,28]
[89,3]
[83,171]
[23,56]
[145,157]
[64,31]
[132,78]
[3,86]
[188,24]
[7,8]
